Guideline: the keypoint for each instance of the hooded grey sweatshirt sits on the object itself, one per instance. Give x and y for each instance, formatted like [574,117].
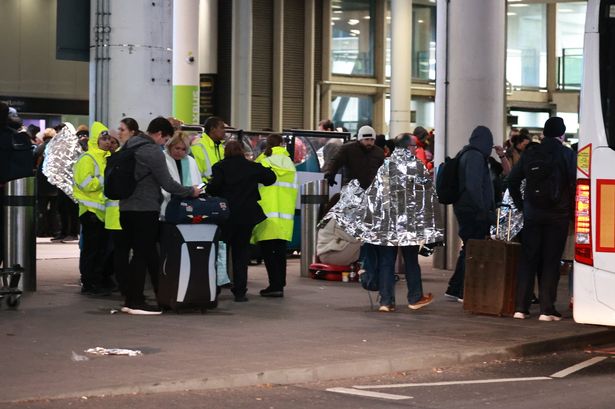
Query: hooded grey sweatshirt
[151,172]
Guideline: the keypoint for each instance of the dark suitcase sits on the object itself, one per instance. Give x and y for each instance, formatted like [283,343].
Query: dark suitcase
[202,209]
[187,277]
[490,277]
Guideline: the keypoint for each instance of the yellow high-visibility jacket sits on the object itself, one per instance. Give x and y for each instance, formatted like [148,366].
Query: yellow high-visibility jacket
[207,153]
[278,200]
[88,176]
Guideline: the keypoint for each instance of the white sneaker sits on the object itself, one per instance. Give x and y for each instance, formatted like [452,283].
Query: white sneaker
[545,317]
[452,297]
[143,309]
[521,315]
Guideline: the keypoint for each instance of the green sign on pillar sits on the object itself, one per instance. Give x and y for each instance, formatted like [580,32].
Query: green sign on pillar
[186,103]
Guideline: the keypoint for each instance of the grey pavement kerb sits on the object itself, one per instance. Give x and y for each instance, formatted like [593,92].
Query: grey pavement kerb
[320,330]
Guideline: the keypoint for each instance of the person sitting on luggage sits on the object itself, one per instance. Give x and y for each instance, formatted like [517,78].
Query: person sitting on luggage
[278,203]
[140,211]
[236,179]
[182,167]
[401,210]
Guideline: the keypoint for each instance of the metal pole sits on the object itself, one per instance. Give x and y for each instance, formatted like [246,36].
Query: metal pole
[19,238]
[313,195]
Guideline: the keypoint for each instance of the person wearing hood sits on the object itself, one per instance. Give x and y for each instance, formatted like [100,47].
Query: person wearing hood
[475,208]
[360,159]
[278,203]
[88,176]
[548,207]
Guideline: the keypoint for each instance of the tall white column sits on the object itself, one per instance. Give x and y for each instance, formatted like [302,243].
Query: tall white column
[208,36]
[474,69]
[401,66]
[241,70]
[130,60]
[185,61]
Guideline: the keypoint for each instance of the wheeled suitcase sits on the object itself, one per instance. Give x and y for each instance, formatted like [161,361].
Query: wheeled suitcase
[490,276]
[187,277]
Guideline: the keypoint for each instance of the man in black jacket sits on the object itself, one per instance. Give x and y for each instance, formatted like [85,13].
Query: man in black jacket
[550,173]
[475,209]
[360,159]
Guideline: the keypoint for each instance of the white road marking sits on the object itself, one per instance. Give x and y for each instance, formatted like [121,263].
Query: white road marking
[349,391]
[578,367]
[479,381]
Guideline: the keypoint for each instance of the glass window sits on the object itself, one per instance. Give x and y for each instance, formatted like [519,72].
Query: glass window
[352,112]
[526,54]
[570,22]
[423,42]
[422,112]
[353,37]
[530,119]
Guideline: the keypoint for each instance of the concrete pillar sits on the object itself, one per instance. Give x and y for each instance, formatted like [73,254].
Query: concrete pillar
[130,60]
[401,66]
[473,86]
[185,61]
[241,70]
[208,36]
[208,56]
[309,69]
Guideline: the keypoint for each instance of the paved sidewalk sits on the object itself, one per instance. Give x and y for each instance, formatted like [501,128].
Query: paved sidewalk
[320,330]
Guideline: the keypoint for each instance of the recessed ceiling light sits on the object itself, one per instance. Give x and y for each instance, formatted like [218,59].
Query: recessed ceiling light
[355,31]
[420,21]
[565,10]
[353,21]
[510,13]
[336,18]
[337,11]
[366,17]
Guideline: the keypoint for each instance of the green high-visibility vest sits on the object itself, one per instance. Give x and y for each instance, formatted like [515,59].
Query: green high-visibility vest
[277,200]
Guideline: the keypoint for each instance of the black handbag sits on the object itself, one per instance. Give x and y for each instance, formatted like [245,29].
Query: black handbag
[203,209]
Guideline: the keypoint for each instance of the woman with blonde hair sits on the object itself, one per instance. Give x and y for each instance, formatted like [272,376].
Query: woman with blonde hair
[182,167]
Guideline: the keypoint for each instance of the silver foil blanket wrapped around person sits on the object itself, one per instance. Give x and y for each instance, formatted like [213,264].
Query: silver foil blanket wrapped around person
[510,219]
[61,154]
[399,208]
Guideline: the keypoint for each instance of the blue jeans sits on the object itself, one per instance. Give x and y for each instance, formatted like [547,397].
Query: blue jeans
[413,273]
[380,262]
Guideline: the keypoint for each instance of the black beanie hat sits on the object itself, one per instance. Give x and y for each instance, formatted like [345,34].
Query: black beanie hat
[554,127]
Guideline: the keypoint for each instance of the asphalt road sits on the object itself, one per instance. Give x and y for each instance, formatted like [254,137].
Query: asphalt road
[574,379]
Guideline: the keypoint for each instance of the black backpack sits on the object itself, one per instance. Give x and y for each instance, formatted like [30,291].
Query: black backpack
[120,182]
[447,179]
[544,178]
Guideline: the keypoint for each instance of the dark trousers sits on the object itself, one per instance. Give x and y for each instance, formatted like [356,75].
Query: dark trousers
[274,255]
[69,215]
[541,250]
[93,249]
[238,239]
[48,218]
[469,228]
[120,256]
[141,230]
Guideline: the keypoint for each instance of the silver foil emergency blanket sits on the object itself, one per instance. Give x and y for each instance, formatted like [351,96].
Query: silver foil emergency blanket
[399,208]
[61,154]
[508,213]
